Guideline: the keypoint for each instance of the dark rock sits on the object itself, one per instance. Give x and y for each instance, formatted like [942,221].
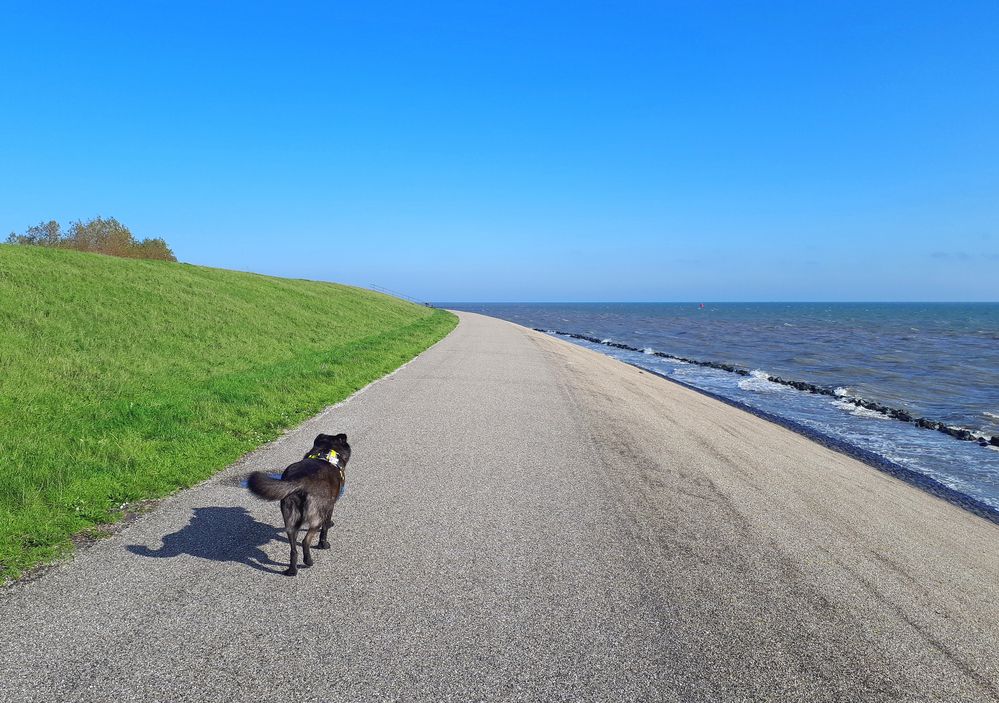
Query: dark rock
[958,432]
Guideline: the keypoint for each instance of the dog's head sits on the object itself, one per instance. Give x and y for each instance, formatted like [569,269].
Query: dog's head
[325,443]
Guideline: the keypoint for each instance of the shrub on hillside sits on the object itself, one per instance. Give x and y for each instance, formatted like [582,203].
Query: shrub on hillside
[99,235]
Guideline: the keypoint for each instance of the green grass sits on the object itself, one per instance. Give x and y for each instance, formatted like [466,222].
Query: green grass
[122,379]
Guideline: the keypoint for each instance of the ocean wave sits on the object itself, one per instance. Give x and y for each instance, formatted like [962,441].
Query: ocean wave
[648,350]
[859,410]
[759,381]
[688,373]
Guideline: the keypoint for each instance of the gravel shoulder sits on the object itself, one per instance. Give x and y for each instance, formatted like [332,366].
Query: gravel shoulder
[529,520]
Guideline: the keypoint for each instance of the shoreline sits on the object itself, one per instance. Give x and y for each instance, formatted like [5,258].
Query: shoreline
[960,433]
[918,477]
[876,461]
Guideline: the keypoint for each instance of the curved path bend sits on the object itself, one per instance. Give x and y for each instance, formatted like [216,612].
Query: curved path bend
[529,520]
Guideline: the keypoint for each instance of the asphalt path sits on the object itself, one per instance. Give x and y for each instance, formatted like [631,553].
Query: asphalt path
[529,520]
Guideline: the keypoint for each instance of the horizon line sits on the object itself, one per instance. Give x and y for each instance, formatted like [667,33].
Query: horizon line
[715,302]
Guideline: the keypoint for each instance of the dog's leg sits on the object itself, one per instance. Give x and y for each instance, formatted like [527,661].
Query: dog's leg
[293,569]
[307,547]
[323,542]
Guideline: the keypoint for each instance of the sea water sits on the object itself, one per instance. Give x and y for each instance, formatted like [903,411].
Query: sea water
[938,361]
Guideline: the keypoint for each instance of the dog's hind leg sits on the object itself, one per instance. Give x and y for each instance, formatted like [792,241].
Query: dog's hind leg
[307,547]
[293,569]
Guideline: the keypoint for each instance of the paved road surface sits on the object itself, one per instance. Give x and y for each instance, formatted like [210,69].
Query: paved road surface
[528,520]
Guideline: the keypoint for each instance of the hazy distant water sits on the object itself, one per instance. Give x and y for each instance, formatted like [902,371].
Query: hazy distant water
[939,361]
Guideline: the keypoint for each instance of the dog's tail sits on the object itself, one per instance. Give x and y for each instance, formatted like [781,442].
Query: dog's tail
[263,486]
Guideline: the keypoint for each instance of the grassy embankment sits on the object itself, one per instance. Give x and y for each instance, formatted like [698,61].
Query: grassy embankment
[122,380]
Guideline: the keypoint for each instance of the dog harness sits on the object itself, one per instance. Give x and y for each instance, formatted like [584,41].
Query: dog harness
[332,458]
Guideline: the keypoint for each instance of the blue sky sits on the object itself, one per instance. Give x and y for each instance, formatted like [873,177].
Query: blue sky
[535,151]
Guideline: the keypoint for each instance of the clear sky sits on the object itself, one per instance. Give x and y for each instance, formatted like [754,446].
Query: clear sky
[523,151]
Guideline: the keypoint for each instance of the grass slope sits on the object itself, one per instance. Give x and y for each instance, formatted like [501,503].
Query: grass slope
[124,379]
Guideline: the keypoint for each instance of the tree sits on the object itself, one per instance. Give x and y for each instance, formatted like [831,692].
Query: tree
[47,234]
[99,235]
[155,249]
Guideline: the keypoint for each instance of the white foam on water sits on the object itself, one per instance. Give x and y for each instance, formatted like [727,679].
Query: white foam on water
[841,392]
[682,370]
[605,341]
[759,381]
[859,410]
[648,350]
[992,416]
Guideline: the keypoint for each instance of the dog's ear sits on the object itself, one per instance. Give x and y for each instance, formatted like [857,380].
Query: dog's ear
[322,438]
[341,437]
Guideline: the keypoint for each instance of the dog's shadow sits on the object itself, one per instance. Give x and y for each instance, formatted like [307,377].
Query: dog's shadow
[220,534]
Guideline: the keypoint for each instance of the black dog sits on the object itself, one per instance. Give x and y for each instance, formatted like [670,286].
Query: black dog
[308,490]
